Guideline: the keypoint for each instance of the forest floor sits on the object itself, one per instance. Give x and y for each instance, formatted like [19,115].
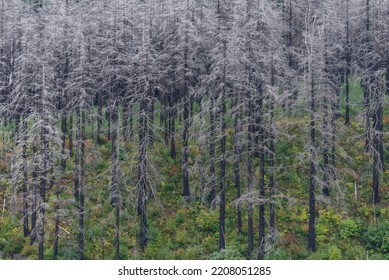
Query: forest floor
[348,225]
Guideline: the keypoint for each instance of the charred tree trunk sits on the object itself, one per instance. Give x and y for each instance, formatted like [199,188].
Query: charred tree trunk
[172,126]
[99,117]
[63,139]
[271,172]
[34,198]
[76,171]
[151,120]
[312,172]
[387,78]
[212,150]
[222,204]
[348,65]
[81,237]
[70,134]
[377,140]
[25,179]
[271,158]
[250,229]
[237,159]
[114,178]
[108,118]
[187,111]
[59,188]
[42,189]
[326,188]
[185,136]
[166,118]
[142,173]
[261,150]
[333,139]
[366,93]
[125,121]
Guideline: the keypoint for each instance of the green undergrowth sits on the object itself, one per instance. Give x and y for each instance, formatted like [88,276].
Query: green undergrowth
[348,226]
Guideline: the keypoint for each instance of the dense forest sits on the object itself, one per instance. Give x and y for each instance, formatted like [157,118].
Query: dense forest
[194,129]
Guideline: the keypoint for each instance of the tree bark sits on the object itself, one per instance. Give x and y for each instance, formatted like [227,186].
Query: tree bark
[250,229]
[185,136]
[261,150]
[34,198]
[312,173]
[142,174]
[25,179]
[42,190]
[326,188]
[237,155]
[114,179]
[212,150]
[99,117]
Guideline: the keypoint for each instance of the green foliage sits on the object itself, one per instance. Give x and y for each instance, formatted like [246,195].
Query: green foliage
[349,228]
[377,237]
[100,165]
[278,254]
[155,251]
[15,243]
[329,252]
[180,216]
[226,254]
[207,221]
[327,223]
[335,253]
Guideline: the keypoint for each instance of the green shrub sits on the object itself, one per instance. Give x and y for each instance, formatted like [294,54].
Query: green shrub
[208,221]
[15,244]
[335,253]
[349,228]
[278,254]
[226,254]
[100,165]
[377,238]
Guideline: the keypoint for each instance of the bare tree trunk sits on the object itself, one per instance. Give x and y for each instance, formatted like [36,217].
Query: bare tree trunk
[125,121]
[151,120]
[99,117]
[261,150]
[25,179]
[34,197]
[367,114]
[271,171]
[348,65]
[271,158]
[325,189]
[77,159]
[108,118]
[312,173]
[114,178]
[377,140]
[387,78]
[250,229]
[185,136]
[70,134]
[63,139]
[222,204]
[131,113]
[81,238]
[172,127]
[333,139]
[166,118]
[187,102]
[237,159]
[42,190]
[212,150]
[142,173]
